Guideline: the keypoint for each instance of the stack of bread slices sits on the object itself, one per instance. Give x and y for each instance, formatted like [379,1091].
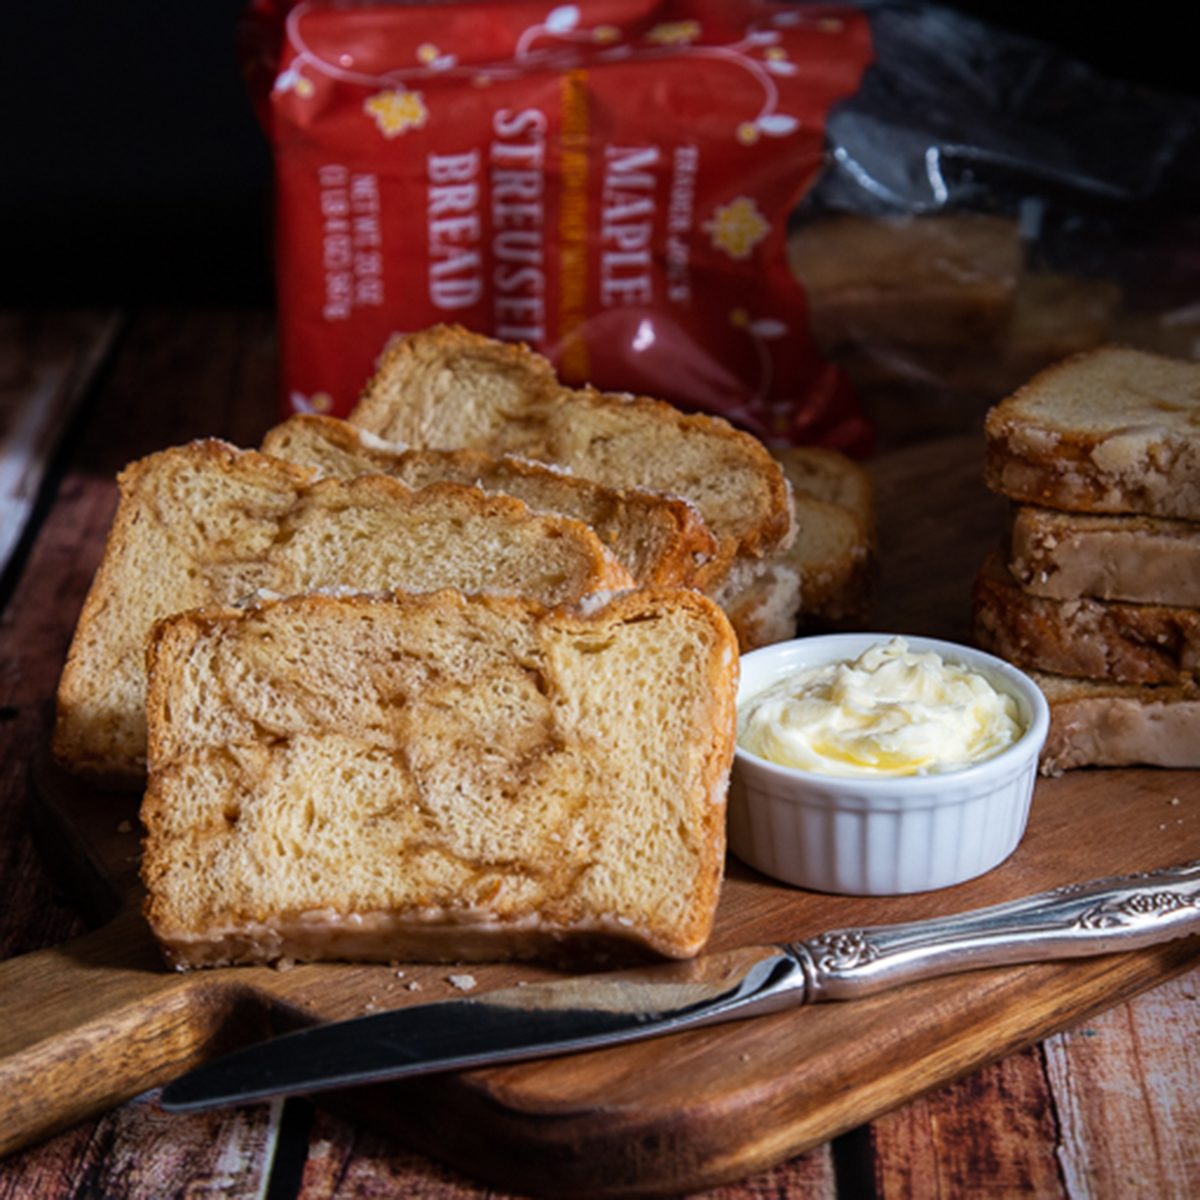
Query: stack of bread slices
[1098,591]
[469,696]
[792,540]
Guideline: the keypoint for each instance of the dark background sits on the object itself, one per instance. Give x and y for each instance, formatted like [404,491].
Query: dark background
[132,169]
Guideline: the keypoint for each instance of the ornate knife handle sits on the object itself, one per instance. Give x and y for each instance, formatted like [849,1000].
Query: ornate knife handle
[1074,921]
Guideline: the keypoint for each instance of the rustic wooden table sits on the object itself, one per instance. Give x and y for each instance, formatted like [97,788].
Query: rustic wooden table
[1108,1108]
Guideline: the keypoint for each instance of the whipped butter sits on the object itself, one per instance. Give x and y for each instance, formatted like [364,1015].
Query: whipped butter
[889,712]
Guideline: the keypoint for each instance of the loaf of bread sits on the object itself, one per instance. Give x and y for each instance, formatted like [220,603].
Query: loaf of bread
[207,524]
[1113,430]
[445,388]
[660,539]
[437,777]
[1144,560]
[1094,639]
[1099,724]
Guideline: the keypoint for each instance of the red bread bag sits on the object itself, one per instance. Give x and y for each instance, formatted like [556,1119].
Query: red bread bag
[609,181]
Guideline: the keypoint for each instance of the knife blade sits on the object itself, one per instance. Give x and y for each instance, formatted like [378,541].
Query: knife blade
[591,1011]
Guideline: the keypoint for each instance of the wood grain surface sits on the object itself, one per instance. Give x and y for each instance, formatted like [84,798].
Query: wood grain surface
[49,363]
[698,1110]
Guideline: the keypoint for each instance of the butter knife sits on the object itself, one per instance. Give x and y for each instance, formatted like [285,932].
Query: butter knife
[591,1011]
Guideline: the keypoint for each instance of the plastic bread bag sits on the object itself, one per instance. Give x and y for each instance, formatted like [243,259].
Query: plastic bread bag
[609,181]
[733,205]
[990,206]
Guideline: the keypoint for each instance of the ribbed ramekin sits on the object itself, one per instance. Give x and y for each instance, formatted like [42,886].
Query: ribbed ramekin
[877,837]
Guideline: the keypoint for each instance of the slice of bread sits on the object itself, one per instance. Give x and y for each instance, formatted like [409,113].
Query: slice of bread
[762,602]
[1096,724]
[1145,560]
[661,540]
[437,777]
[824,577]
[1094,639]
[1109,431]
[921,281]
[445,388]
[208,524]
[1052,316]
[830,476]
[834,550]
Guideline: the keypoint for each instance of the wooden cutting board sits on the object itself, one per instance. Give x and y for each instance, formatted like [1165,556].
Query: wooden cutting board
[87,1024]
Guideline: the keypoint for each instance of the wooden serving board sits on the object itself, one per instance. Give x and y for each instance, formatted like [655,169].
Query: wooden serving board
[89,1023]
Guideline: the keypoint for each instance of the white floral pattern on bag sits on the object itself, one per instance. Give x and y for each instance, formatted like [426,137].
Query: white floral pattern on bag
[396,110]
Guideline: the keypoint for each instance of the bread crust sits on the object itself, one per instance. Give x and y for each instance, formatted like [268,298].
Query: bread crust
[830,476]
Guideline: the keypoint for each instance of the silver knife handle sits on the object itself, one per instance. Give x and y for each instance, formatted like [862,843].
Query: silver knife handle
[1073,921]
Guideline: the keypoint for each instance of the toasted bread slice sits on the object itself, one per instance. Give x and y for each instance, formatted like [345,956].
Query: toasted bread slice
[830,476]
[824,577]
[446,779]
[1097,724]
[661,540]
[762,602]
[1094,639]
[445,388]
[1113,430]
[834,550]
[1144,560]
[207,524]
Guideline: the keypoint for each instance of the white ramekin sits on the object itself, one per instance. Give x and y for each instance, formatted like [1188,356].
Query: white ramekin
[881,837]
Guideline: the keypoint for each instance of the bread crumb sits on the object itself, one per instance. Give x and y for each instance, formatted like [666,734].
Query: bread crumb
[125,827]
[464,983]
[1174,801]
[413,986]
[399,974]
